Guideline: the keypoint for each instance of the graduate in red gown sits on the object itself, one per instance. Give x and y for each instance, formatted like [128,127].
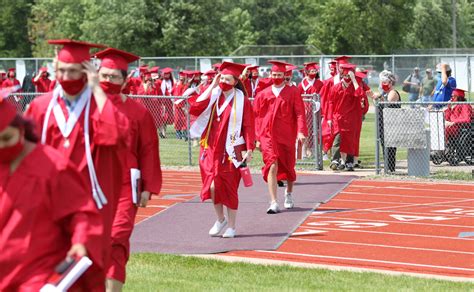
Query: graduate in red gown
[225,125]
[11,79]
[327,131]
[46,212]
[344,113]
[310,85]
[80,121]
[42,81]
[180,122]
[166,86]
[363,109]
[457,116]
[153,105]
[279,121]
[142,154]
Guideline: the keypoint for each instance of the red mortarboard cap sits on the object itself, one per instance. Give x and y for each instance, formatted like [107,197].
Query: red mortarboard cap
[44,69]
[342,59]
[290,68]
[182,73]
[7,113]
[154,69]
[311,65]
[278,66]
[197,72]
[166,70]
[210,72]
[229,68]
[217,66]
[253,68]
[11,69]
[347,67]
[74,51]
[458,92]
[361,75]
[116,59]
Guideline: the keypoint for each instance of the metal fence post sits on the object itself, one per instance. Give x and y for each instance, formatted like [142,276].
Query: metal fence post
[188,126]
[317,133]
[377,139]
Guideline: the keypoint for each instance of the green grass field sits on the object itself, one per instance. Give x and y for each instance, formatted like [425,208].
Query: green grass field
[157,272]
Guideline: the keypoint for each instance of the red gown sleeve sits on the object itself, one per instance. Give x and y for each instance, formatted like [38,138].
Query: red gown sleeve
[300,114]
[258,119]
[148,155]
[464,116]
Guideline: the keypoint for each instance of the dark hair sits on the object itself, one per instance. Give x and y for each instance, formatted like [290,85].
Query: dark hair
[124,74]
[240,85]
[29,127]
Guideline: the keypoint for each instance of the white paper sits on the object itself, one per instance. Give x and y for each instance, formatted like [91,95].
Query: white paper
[70,278]
[135,175]
[437,130]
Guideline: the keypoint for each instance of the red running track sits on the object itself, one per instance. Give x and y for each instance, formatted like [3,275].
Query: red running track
[384,225]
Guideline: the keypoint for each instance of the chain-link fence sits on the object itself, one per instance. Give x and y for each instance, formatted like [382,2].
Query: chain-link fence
[172,122]
[422,139]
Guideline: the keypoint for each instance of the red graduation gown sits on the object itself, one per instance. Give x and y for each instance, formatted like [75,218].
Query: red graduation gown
[327,133]
[214,162]
[168,105]
[362,110]
[277,122]
[108,132]
[154,105]
[344,112]
[459,114]
[45,208]
[42,85]
[180,122]
[143,154]
[308,106]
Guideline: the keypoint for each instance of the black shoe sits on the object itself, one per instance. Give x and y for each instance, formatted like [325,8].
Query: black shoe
[349,167]
[341,166]
[358,164]
[280,183]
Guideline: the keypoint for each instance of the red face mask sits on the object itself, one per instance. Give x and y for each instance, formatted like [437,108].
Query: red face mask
[254,77]
[10,153]
[73,87]
[110,88]
[347,79]
[225,86]
[312,75]
[278,81]
[386,87]
[166,77]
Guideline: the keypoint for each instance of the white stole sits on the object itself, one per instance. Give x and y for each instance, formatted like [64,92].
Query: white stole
[66,129]
[310,83]
[233,129]
[254,87]
[166,86]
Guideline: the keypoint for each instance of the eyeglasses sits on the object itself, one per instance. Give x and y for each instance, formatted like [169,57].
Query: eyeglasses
[111,77]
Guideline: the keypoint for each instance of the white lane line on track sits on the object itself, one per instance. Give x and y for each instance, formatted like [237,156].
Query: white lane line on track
[382,245]
[323,216]
[305,226]
[414,189]
[395,195]
[366,260]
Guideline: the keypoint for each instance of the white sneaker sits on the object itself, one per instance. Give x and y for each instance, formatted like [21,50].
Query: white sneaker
[325,157]
[218,226]
[289,203]
[229,233]
[273,209]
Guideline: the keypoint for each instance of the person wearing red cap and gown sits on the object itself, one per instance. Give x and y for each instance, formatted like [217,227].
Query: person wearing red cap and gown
[180,122]
[362,111]
[42,81]
[225,123]
[80,121]
[327,131]
[46,211]
[458,116]
[279,122]
[344,112]
[310,85]
[167,85]
[142,154]
[11,79]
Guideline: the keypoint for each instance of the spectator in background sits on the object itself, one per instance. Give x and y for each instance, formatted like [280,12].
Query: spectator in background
[387,83]
[446,83]
[414,81]
[457,116]
[41,80]
[427,87]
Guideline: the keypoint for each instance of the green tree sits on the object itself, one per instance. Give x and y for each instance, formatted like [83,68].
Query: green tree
[14,40]
[358,26]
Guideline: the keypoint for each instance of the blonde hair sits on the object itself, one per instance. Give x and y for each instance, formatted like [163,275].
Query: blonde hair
[387,76]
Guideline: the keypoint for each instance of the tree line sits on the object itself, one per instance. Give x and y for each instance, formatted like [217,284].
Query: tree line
[218,27]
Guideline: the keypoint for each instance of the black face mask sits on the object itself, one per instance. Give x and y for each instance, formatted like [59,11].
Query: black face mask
[287,78]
